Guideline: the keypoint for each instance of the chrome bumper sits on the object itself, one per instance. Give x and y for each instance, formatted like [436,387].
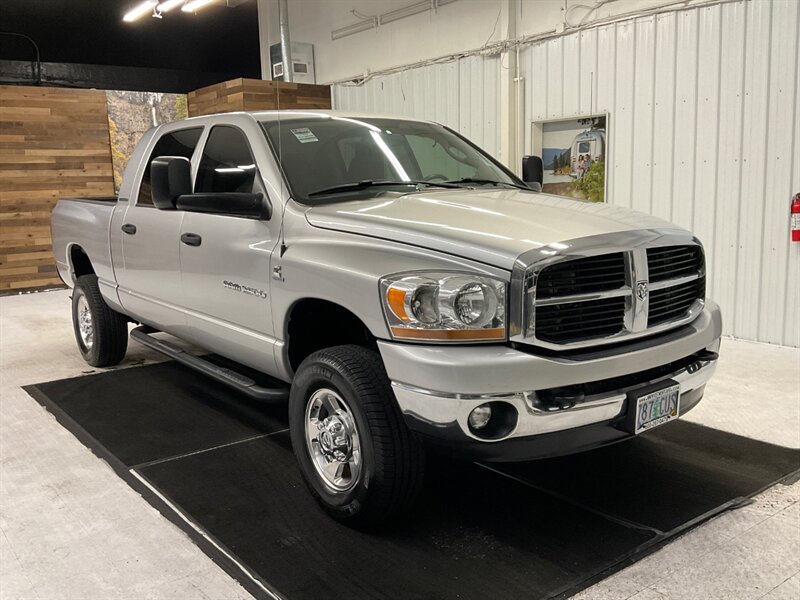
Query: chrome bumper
[437,387]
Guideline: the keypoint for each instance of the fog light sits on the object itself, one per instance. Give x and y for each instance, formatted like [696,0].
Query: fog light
[479,417]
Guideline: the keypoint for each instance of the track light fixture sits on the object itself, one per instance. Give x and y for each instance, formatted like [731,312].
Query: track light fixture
[193,5]
[140,10]
[168,5]
[158,8]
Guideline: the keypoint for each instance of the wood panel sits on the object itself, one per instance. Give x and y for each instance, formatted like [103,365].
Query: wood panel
[53,142]
[257,94]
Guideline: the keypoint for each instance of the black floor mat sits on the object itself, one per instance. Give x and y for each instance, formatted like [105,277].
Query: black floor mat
[535,530]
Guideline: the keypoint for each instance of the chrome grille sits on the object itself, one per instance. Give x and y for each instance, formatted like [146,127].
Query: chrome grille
[574,321]
[582,276]
[670,303]
[672,262]
[587,292]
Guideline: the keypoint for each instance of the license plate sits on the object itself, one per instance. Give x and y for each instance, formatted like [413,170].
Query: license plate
[657,407]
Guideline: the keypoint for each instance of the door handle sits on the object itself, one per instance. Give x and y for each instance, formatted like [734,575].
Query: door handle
[191,239]
[129,228]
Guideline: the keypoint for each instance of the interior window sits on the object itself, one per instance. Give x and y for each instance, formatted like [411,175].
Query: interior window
[437,162]
[227,164]
[176,143]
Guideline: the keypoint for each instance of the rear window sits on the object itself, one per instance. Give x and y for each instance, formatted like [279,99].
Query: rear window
[175,143]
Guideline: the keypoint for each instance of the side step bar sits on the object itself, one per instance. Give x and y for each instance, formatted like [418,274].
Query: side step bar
[237,381]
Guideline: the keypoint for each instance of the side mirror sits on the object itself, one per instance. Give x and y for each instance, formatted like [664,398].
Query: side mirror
[533,171]
[170,177]
[232,204]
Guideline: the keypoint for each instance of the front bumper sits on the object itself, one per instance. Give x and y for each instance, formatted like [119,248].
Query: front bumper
[438,386]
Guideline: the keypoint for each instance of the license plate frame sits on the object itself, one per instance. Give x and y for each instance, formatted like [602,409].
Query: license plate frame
[653,406]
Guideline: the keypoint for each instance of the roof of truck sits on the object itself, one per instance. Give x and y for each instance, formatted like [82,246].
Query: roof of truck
[274,115]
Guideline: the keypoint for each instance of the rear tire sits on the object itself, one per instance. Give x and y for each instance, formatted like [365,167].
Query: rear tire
[357,456]
[101,332]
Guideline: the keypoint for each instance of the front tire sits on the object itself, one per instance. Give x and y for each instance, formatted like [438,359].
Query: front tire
[359,459]
[101,333]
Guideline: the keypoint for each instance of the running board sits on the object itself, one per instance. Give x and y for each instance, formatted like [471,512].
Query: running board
[237,381]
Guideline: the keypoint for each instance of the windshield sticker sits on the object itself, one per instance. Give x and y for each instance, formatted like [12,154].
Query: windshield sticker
[304,135]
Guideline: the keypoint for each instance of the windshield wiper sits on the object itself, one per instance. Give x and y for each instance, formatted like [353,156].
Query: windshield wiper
[367,183]
[487,181]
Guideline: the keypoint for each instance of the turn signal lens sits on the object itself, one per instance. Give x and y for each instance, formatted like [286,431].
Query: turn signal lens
[396,299]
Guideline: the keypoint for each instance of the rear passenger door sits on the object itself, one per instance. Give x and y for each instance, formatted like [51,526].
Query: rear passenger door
[225,259]
[150,282]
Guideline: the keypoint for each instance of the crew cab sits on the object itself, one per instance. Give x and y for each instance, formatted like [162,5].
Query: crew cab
[399,287]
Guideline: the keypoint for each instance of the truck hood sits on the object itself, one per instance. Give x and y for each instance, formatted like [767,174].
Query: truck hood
[491,226]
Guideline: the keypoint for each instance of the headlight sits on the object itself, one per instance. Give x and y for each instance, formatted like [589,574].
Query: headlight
[439,306]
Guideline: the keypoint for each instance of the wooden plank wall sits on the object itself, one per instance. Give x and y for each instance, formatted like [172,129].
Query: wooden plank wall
[257,94]
[53,142]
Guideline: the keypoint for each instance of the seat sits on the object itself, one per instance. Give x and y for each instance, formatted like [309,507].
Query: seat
[367,163]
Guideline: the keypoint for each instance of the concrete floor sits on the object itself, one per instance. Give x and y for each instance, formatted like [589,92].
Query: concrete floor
[70,528]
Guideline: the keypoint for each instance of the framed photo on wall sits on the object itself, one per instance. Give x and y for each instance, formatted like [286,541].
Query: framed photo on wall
[573,152]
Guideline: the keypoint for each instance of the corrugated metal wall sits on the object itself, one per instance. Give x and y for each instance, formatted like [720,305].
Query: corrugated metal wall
[704,125]
[464,95]
[704,111]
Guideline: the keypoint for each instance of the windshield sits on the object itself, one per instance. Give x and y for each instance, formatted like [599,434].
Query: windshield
[322,153]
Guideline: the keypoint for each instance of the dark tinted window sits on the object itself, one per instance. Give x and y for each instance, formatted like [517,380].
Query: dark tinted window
[176,143]
[227,164]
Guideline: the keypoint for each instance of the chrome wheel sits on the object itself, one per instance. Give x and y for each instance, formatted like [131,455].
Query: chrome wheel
[332,440]
[85,323]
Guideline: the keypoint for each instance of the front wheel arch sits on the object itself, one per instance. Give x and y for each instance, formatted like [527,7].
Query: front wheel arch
[313,324]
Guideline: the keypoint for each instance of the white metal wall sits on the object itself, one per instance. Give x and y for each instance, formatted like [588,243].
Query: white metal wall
[704,111]
[464,95]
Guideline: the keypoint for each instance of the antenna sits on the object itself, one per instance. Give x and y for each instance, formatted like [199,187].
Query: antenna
[284,201]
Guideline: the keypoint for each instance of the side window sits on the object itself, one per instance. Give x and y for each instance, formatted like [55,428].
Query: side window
[434,160]
[227,165]
[175,143]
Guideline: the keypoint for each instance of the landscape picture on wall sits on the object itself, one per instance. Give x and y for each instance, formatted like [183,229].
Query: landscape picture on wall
[130,114]
[574,156]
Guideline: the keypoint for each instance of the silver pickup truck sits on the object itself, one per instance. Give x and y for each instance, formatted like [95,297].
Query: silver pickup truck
[399,288]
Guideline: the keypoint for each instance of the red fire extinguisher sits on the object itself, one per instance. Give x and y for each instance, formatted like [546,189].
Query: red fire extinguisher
[796,218]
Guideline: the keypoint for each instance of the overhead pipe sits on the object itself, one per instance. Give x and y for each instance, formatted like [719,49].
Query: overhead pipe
[286,43]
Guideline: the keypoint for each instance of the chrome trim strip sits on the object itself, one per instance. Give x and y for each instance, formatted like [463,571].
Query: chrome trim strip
[453,396]
[623,291]
[633,245]
[638,274]
[666,283]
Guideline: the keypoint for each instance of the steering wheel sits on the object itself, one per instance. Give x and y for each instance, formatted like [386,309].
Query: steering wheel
[436,176]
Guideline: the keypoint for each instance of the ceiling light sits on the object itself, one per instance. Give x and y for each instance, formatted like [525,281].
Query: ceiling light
[168,5]
[193,5]
[139,11]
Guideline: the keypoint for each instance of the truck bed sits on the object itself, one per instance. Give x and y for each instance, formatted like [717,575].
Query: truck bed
[83,225]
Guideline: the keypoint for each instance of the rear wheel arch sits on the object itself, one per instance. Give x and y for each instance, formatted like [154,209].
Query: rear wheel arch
[79,262]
